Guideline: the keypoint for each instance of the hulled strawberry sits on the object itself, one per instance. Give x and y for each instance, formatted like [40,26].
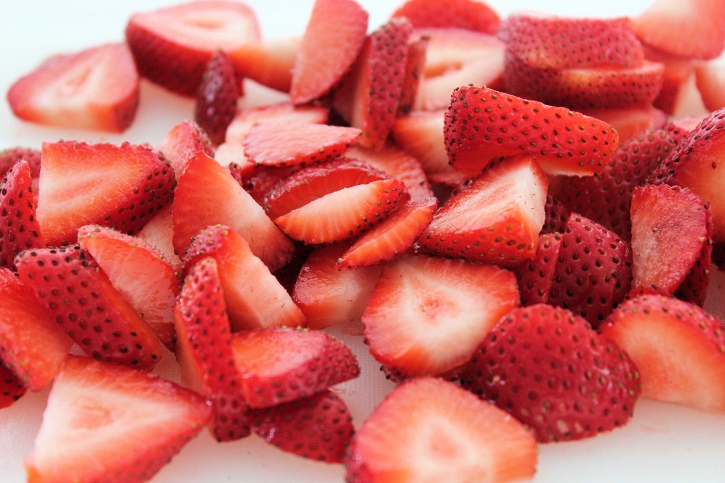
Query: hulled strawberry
[19,228]
[158,232]
[463,14]
[216,98]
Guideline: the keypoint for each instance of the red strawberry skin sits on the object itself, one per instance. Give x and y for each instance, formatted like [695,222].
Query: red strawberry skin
[11,387]
[10,156]
[216,99]
[19,227]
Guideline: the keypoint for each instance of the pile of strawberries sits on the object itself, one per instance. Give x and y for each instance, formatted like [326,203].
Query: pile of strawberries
[507,209]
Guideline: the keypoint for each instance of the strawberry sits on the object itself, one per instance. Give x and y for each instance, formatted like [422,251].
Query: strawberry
[139,273]
[651,328]
[216,99]
[108,421]
[334,35]
[182,142]
[329,296]
[158,232]
[427,315]
[496,219]
[557,214]
[11,387]
[430,429]
[207,195]
[630,121]
[344,214]
[172,46]
[252,295]
[70,286]
[710,80]
[414,65]
[677,73]
[19,228]
[96,88]
[683,28]
[546,367]
[536,276]
[10,156]
[318,427]
[288,144]
[564,142]
[259,180]
[278,365]
[268,61]
[204,350]
[32,345]
[368,96]
[284,112]
[463,14]
[119,186]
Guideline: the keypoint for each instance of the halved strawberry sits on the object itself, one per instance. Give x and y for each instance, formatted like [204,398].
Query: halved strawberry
[496,219]
[551,371]
[277,365]
[11,387]
[19,228]
[10,156]
[204,350]
[216,99]
[432,429]
[427,315]
[119,186]
[536,276]
[268,61]
[677,348]
[330,44]
[77,294]
[103,419]
[173,45]
[182,142]
[96,88]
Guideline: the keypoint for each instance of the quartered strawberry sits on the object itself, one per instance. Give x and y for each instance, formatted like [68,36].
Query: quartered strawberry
[551,371]
[536,276]
[482,124]
[334,35]
[414,66]
[19,228]
[278,365]
[119,186]
[173,45]
[291,144]
[463,14]
[496,219]
[139,272]
[216,98]
[677,347]
[630,121]
[32,345]
[318,427]
[204,350]
[253,297]
[77,294]
[268,61]
[159,232]
[105,421]
[96,88]
[432,429]
[10,156]
[11,387]
[182,142]
[427,315]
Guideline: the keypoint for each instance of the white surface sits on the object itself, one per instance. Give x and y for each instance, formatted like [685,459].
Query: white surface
[661,443]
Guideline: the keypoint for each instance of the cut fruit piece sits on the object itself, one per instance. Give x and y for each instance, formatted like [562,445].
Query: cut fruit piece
[11,387]
[10,156]
[420,133]
[19,227]
[268,61]
[284,112]
[182,142]
[463,14]
[414,65]
[216,99]
[158,233]
[536,276]
[710,81]
[630,121]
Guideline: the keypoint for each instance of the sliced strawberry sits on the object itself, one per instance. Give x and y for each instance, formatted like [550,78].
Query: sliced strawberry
[329,296]
[344,214]
[77,294]
[19,229]
[677,72]
[710,81]
[557,214]
[10,156]
[677,348]
[204,350]
[536,276]
[159,232]
[259,180]
[630,121]
[216,99]
[11,387]
[496,219]
[96,88]
[464,14]
[139,272]
[282,365]
[32,345]
[253,296]
[546,367]
[104,419]
[414,66]
[318,427]
[207,195]
[173,45]
[482,124]
[330,44]
[427,315]
[284,112]
[182,142]
[432,429]
[119,186]
[268,61]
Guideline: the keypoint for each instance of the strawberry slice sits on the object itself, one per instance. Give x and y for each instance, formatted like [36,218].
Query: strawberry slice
[96,88]
[482,124]
[139,273]
[496,219]
[253,296]
[463,14]
[284,112]
[268,61]
[536,276]
[318,427]
[19,228]
[182,142]
[173,45]
[334,35]
[710,81]
[158,233]
[281,365]
[260,180]
[10,156]
[546,367]
[414,65]
[104,419]
[432,429]
[204,350]
[651,328]
[216,99]
[119,186]
[11,387]
[630,121]
[77,294]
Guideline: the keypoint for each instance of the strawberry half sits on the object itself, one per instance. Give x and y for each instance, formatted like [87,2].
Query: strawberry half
[546,367]
[430,429]
[104,419]
[11,387]
[463,14]
[19,228]
[216,99]
[96,88]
